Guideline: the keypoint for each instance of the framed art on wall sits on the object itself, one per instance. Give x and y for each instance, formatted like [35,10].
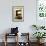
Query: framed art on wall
[18,13]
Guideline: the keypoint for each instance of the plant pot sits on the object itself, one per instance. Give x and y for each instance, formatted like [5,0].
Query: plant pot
[38,40]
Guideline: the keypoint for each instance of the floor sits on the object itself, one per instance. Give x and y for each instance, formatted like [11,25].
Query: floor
[13,44]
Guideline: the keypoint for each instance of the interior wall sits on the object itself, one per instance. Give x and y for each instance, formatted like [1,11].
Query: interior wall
[6,15]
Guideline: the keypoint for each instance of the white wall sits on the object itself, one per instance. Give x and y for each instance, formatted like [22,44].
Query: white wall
[6,15]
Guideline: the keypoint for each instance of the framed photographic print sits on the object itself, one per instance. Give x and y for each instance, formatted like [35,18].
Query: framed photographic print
[18,13]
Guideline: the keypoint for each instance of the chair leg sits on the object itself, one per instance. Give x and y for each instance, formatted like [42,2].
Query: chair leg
[5,43]
[17,39]
[5,39]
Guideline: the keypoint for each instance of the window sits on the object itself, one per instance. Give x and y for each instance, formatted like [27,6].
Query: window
[41,12]
[41,8]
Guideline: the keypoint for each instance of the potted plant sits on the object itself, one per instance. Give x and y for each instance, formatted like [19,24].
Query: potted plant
[38,27]
[39,36]
[35,26]
[42,27]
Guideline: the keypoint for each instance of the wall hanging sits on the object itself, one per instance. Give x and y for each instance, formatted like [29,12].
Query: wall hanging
[18,13]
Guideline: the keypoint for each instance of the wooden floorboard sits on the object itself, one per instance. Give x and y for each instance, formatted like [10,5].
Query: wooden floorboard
[13,44]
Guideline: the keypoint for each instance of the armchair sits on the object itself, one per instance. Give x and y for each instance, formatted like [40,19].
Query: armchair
[14,32]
